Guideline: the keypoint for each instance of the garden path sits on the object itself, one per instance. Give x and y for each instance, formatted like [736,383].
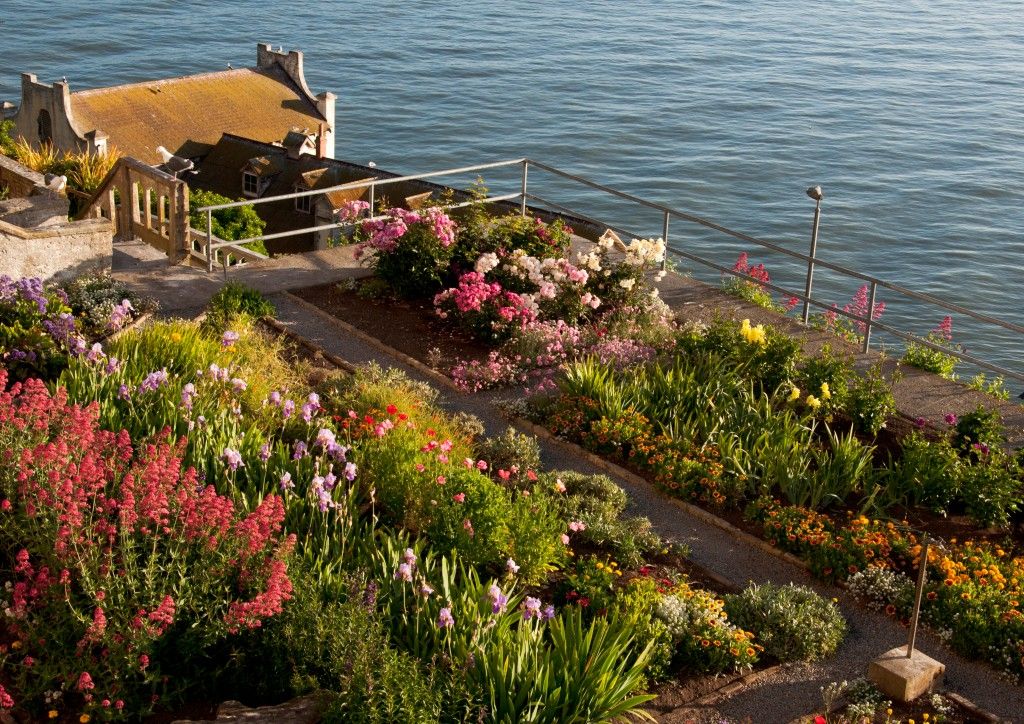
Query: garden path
[781,697]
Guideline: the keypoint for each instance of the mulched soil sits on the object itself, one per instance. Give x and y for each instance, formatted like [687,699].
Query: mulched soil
[410,326]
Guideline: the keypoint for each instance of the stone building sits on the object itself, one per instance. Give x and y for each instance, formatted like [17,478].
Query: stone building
[186,115]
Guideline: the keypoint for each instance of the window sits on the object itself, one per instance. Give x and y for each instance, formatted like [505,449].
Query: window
[250,184]
[45,127]
[303,203]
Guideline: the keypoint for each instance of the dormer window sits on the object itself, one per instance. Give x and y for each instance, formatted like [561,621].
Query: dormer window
[303,204]
[250,185]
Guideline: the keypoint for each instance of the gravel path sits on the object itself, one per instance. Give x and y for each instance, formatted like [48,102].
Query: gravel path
[790,693]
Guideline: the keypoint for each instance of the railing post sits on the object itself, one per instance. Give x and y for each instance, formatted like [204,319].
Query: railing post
[815,193]
[209,241]
[522,203]
[373,188]
[870,315]
[664,237]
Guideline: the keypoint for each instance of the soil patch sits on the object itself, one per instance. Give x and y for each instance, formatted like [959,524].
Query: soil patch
[410,326]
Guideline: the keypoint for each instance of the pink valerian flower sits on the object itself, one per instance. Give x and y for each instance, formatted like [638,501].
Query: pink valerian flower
[143,662]
[564,538]
[459,497]
[6,701]
[790,304]
[945,329]
[859,306]
[920,423]
[481,464]
[577,526]
[267,603]
[445,619]
[950,419]
[467,525]
[163,615]
[442,226]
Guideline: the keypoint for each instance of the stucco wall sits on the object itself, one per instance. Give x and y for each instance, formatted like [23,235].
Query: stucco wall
[56,252]
[56,100]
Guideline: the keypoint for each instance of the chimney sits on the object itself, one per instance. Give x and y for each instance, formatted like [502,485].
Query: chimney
[325,140]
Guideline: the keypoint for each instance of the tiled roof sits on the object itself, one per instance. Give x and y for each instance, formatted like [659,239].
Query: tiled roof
[263,104]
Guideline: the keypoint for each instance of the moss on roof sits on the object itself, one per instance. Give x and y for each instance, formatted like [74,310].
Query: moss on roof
[260,104]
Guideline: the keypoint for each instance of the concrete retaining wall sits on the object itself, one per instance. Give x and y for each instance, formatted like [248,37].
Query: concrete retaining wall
[56,252]
[19,180]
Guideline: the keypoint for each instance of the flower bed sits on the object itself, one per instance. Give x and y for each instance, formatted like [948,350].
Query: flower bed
[181,496]
[763,437]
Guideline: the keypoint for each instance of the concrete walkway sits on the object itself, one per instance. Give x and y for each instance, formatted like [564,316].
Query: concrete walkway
[788,694]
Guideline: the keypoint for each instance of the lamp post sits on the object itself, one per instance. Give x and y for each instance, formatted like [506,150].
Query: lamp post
[815,193]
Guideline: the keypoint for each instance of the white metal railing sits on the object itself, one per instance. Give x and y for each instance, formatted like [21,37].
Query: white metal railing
[668,213]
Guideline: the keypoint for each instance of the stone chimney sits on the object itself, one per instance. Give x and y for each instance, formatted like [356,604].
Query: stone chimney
[325,104]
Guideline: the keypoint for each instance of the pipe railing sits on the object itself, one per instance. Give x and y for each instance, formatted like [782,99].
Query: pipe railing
[667,213]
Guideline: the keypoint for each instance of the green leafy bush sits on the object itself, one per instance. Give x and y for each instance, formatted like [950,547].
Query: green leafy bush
[829,371]
[933,360]
[983,427]
[340,648]
[233,300]
[515,453]
[871,402]
[232,224]
[792,622]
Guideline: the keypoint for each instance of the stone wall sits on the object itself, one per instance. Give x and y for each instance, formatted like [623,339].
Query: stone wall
[19,180]
[55,102]
[56,252]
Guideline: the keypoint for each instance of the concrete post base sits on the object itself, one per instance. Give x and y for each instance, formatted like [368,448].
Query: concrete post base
[905,679]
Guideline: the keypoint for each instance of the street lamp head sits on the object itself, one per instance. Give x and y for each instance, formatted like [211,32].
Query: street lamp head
[815,193]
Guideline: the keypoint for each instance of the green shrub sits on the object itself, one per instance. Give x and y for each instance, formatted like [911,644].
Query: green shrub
[925,473]
[934,360]
[635,605]
[992,489]
[233,224]
[831,369]
[599,503]
[871,402]
[340,648]
[978,428]
[514,452]
[995,386]
[234,300]
[792,622]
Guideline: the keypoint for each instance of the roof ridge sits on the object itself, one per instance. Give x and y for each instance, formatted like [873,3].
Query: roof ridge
[176,79]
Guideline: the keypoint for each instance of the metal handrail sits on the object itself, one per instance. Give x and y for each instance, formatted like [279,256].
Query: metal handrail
[668,212]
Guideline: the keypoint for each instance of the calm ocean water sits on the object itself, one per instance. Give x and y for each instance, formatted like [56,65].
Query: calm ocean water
[910,115]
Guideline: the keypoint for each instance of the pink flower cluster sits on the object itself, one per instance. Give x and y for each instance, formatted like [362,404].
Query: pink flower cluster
[859,306]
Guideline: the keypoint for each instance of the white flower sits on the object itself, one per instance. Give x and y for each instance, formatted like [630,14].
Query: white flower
[486,263]
[627,283]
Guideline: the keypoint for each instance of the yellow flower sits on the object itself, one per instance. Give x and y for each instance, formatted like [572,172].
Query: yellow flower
[826,393]
[53,713]
[16,645]
[84,718]
[753,335]
[794,394]
[175,337]
[813,402]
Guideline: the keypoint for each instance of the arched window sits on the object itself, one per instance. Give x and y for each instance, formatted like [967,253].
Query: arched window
[45,127]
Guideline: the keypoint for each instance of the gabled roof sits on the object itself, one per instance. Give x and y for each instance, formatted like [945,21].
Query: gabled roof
[262,104]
